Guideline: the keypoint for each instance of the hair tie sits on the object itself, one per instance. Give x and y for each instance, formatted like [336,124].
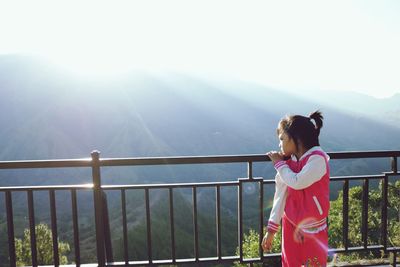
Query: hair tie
[312,120]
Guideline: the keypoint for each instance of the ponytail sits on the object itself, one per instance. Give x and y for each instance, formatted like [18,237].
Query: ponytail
[317,117]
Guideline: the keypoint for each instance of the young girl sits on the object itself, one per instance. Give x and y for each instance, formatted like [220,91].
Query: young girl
[301,198]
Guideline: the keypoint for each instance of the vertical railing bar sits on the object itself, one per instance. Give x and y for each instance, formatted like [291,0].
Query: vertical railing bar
[394,170]
[364,227]
[54,232]
[148,225]
[394,164]
[124,226]
[346,214]
[240,227]
[172,223]
[218,221]
[10,228]
[107,230]
[98,205]
[195,224]
[261,235]
[384,211]
[75,227]
[32,228]
[250,170]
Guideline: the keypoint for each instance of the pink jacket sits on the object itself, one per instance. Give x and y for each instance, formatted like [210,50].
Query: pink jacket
[302,192]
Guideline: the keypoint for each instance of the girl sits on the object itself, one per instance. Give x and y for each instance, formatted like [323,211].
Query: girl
[301,198]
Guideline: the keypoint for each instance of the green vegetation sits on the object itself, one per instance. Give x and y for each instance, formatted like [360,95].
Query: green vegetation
[44,244]
[374,221]
[251,241]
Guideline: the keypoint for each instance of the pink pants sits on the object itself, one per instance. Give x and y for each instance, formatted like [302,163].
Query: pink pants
[303,249]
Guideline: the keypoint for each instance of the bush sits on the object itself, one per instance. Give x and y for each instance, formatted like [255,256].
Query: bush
[44,244]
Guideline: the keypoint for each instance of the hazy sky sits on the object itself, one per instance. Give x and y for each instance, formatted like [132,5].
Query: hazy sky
[336,45]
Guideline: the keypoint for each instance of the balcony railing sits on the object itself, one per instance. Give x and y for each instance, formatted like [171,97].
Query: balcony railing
[103,234]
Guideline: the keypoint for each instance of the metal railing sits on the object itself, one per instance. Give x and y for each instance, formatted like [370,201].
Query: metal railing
[102,223]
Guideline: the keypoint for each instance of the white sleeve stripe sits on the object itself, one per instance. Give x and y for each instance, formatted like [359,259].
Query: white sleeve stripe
[314,224]
[279,164]
[273,227]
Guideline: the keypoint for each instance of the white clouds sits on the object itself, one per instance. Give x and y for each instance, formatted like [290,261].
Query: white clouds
[338,45]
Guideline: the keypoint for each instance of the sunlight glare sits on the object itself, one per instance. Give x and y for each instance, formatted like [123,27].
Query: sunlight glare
[281,45]
[93,63]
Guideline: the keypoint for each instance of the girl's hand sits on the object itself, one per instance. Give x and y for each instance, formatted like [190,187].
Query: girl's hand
[267,241]
[275,156]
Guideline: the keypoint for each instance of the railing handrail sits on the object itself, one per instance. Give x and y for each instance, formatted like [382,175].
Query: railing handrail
[210,159]
[51,163]
[103,235]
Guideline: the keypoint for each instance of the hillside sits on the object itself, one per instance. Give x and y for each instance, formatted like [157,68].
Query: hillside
[49,114]
[46,113]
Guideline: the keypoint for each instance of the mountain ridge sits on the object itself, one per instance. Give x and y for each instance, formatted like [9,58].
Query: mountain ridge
[46,114]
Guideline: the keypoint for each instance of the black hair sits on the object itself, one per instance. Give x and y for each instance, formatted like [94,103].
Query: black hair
[302,129]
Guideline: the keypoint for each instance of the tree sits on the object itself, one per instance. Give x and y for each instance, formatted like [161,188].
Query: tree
[394,214]
[44,243]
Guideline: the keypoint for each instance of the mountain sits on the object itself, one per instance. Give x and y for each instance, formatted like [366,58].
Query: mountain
[385,110]
[46,113]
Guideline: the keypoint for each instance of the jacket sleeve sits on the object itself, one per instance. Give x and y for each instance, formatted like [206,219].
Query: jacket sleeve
[312,172]
[278,206]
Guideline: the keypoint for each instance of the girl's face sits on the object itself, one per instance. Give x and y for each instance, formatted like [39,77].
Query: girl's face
[287,144]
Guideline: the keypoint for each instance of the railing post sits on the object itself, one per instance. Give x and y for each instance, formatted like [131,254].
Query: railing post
[98,205]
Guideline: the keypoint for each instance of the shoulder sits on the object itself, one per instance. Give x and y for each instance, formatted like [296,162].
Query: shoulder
[317,162]
[317,152]
[316,157]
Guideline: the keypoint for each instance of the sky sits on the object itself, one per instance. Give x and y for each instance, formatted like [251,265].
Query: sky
[295,45]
